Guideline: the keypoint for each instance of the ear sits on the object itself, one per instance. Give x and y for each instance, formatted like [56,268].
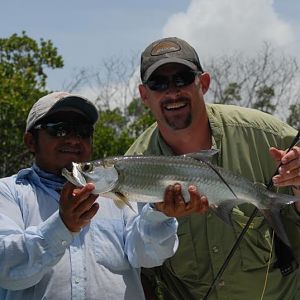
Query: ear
[144,94]
[30,142]
[205,82]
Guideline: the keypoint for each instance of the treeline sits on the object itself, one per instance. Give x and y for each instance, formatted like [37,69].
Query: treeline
[267,82]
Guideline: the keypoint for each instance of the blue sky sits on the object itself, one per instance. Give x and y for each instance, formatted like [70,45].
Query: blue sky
[87,32]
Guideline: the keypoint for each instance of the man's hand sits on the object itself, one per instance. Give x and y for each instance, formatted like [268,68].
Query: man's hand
[289,171]
[77,206]
[175,206]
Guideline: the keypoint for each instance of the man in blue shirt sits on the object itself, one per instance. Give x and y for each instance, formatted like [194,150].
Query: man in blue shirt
[62,242]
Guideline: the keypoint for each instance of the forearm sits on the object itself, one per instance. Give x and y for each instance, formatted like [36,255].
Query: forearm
[25,255]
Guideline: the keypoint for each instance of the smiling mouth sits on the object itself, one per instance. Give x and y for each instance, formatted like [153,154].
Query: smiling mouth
[175,105]
[69,151]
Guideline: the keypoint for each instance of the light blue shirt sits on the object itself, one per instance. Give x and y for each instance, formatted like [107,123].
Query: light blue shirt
[41,259]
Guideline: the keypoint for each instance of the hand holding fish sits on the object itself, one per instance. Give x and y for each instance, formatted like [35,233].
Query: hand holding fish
[175,206]
[145,178]
[77,206]
[289,171]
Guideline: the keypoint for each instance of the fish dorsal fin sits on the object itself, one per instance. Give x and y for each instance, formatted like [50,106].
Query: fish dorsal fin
[203,155]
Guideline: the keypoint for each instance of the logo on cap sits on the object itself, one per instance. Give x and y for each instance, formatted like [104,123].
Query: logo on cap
[165,47]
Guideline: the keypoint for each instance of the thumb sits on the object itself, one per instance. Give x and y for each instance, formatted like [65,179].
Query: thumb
[66,192]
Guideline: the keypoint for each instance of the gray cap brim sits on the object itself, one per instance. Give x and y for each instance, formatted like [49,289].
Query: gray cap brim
[169,60]
[55,102]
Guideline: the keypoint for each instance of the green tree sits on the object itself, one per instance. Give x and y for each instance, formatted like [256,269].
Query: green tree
[116,129]
[140,117]
[110,134]
[23,80]
[231,93]
[294,117]
[264,96]
[266,80]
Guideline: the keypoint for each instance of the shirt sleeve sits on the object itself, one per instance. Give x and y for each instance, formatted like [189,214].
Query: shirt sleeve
[150,238]
[27,253]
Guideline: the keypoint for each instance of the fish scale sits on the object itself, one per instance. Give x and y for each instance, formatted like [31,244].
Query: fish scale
[153,175]
[145,178]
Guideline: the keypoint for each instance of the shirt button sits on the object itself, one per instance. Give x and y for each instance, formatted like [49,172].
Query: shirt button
[215,249]
[76,281]
[64,243]
[221,283]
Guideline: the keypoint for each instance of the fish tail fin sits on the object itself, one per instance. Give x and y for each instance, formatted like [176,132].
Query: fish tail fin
[276,199]
[273,203]
[273,217]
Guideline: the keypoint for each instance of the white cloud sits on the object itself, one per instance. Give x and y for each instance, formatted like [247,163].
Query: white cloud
[215,27]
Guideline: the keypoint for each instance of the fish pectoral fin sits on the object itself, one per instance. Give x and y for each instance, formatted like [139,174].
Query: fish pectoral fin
[120,200]
[224,210]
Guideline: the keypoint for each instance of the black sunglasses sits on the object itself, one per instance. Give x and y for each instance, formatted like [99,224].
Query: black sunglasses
[62,129]
[162,83]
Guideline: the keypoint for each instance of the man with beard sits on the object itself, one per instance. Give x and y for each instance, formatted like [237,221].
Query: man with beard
[249,142]
[62,242]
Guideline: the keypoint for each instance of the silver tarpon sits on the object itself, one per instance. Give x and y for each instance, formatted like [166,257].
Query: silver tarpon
[145,178]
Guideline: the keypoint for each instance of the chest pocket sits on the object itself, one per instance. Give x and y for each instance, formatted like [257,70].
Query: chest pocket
[255,247]
[182,264]
[108,243]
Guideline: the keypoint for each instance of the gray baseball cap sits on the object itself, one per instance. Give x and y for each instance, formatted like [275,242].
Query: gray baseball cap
[165,51]
[61,101]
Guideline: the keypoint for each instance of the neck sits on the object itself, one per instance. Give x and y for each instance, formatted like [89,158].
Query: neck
[48,170]
[192,139]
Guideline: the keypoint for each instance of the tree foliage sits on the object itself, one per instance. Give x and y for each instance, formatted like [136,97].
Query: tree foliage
[116,130]
[265,81]
[294,117]
[23,80]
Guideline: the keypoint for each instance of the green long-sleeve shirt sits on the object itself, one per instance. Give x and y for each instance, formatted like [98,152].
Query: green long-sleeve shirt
[243,137]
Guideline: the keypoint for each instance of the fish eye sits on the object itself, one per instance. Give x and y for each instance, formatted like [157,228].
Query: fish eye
[87,167]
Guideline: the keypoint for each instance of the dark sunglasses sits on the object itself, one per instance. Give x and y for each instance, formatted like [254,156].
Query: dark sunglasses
[162,83]
[62,129]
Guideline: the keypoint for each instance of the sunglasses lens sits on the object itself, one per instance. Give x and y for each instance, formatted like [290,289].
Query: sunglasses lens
[162,83]
[62,129]
[58,130]
[184,78]
[158,83]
